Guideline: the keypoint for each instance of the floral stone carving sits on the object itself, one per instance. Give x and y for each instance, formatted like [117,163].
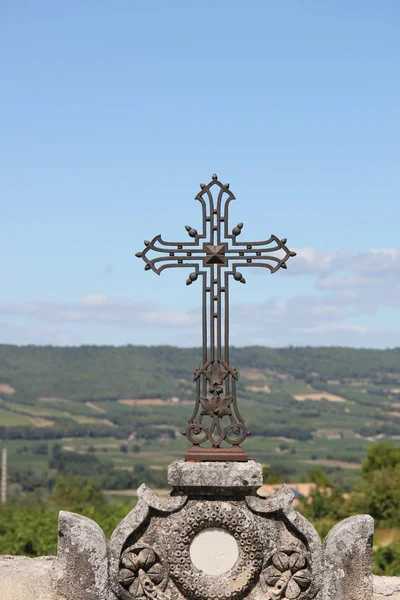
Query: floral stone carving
[279,555]
[287,576]
[142,574]
[234,520]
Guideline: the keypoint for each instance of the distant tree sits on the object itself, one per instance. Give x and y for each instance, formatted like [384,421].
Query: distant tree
[324,503]
[318,476]
[39,449]
[386,560]
[380,456]
[31,479]
[30,530]
[272,475]
[70,492]
[380,473]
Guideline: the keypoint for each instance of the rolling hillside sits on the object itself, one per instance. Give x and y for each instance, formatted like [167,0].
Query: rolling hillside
[304,406]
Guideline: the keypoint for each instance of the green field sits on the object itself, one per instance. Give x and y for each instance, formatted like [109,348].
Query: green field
[304,406]
[10,419]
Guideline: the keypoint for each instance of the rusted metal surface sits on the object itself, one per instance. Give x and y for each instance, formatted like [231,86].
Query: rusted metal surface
[216,257]
[200,454]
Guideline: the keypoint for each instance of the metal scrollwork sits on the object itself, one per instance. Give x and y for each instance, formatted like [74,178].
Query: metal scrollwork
[215,255]
[216,407]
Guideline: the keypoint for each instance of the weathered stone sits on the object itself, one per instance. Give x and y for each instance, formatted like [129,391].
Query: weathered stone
[147,501]
[261,548]
[81,569]
[386,588]
[279,508]
[23,578]
[348,560]
[151,550]
[211,478]
[235,518]
[161,502]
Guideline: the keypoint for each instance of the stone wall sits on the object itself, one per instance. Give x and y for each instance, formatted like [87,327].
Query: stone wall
[386,588]
[212,538]
[23,578]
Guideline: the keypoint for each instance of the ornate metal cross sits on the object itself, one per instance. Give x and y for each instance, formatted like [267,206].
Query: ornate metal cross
[215,255]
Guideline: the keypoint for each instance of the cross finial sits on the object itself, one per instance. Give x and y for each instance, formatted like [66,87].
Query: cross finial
[215,255]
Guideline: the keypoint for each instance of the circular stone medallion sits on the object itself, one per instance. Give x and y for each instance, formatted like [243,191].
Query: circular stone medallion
[199,583]
[214,551]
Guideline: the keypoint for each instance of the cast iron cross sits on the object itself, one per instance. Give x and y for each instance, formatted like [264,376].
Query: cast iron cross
[215,255]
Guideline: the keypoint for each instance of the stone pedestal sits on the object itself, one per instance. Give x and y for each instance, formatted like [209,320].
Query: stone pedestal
[212,538]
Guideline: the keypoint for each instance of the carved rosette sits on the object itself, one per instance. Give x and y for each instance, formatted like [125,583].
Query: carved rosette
[141,573]
[237,581]
[286,576]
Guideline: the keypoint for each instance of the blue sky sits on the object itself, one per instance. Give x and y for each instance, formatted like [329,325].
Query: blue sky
[113,113]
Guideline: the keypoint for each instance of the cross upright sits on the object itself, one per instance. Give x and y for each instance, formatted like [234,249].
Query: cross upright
[215,255]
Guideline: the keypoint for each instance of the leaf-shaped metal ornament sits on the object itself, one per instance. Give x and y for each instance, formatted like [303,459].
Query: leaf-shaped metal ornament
[216,375]
[223,407]
[209,405]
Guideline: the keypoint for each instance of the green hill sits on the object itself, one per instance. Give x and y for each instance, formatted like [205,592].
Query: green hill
[303,405]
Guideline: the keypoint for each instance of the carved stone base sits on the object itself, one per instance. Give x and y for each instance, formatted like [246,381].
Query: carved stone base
[216,479]
[213,538]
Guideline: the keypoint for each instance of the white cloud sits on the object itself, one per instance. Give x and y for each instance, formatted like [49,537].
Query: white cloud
[11,333]
[310,261]
[348,288]
[375,262]
[347,282]
[99,308]
[323,329]
[94,300]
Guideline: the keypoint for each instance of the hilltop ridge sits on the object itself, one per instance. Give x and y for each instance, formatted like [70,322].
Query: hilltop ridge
[302,404]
